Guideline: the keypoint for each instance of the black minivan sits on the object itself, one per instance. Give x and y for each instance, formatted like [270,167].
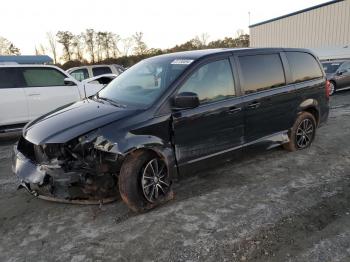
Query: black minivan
[167,115]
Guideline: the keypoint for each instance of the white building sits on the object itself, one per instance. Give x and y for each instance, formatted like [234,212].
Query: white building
[324,28]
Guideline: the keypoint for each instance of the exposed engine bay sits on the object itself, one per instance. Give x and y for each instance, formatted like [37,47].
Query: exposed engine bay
[84,170]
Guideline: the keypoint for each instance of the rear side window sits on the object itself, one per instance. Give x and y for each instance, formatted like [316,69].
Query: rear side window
[211,82]
[9,78]
[80,74]
[304,66]
[40,77]
[261,72]
[96,71]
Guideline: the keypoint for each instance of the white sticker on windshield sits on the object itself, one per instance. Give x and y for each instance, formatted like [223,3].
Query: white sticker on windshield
[181,62]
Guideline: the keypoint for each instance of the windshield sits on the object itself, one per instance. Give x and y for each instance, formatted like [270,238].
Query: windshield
[330,67]
[143,83]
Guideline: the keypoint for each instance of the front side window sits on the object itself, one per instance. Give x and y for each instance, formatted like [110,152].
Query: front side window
[41,77]
[211,82]
[96,71]
[346,67]
[144,82]
[261,72]
[330,68]
[9,77]
[304,66]
[80,74]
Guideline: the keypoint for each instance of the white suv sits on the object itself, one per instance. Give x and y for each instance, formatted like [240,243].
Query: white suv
[29,91]
[83,72]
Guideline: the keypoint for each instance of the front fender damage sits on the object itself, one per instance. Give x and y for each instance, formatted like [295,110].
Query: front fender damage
[82,171]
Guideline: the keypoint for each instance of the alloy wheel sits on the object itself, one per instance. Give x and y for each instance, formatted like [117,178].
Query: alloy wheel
[305,133]
[155,180]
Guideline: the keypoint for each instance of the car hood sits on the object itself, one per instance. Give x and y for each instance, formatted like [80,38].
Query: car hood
[70,121]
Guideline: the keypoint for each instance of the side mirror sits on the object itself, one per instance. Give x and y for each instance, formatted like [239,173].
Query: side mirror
[340,72]
[69,82]
[186,100]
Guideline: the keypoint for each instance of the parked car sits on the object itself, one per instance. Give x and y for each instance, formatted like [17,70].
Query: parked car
[338,74]
[167,115]
[29,91]
[96,83]
[83,72]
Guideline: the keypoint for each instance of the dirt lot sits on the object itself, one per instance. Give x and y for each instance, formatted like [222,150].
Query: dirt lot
[272,206]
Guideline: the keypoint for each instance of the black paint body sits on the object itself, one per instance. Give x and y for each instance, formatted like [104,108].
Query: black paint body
[190,137]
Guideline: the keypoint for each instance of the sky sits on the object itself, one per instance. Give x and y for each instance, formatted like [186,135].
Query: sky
[164,23]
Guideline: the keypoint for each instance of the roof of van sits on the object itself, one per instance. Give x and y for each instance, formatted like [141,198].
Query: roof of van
[26,59]
[196,54]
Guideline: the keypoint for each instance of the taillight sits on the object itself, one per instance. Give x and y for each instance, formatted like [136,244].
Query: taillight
[328,88]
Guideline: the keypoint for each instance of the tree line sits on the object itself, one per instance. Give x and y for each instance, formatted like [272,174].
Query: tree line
[97,47]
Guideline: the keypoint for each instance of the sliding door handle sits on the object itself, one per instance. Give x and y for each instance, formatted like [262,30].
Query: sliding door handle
[234,110]
[253,105]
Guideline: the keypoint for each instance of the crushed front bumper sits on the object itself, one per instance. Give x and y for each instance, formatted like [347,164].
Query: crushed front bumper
[68,187]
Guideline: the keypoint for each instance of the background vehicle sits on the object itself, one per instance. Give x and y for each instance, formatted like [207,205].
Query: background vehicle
[83,72]
[338,74]
[169,114]
[94,84]
[29,91]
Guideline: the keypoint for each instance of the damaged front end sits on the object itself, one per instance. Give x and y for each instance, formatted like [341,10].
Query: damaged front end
[82,170]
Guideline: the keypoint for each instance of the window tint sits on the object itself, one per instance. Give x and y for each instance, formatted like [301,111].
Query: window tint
[80,74]
[9,78]
[37,77]
[346,67]
[261,72]
[330,67]
[96,71]
[304,66]
[211,82]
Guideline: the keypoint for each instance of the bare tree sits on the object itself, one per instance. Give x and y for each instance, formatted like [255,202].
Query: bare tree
[127,45]
[203,38]
[8,48]
[51,38]
[78,46]
[114,39]
[65,38]
[89,38]
[140,46]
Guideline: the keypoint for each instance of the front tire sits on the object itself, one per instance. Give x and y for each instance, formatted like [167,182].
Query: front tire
[144,181]
[302,133]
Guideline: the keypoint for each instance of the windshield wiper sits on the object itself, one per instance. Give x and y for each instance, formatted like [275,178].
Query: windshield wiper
[112,102]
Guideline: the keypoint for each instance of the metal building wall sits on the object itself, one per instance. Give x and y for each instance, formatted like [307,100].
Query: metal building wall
[322,27]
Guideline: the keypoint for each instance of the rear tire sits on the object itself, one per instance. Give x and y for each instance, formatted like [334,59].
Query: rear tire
[302,133]
[144,181]
[332,88]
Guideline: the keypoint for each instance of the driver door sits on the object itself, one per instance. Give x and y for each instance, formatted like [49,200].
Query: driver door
[216,126]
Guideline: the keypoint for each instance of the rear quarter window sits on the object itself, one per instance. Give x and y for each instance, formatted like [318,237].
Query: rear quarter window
[96,71]
[261,72]
[9,78]
[303,66]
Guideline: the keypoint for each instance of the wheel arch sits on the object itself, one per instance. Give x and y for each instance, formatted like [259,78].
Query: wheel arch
[311,106]
[163,151]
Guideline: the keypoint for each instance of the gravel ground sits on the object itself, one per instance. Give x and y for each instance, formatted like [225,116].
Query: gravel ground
[271,206]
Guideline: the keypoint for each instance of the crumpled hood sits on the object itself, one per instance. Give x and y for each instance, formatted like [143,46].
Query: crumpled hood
[70,121]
